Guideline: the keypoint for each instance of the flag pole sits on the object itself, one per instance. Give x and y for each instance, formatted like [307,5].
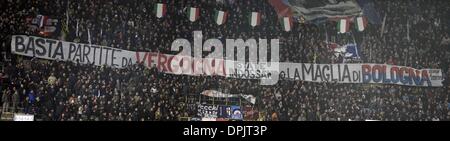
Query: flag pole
[356,45]
[89,36]
[67,14]
[407,29]
[382,26]
[326,35]
[76,30]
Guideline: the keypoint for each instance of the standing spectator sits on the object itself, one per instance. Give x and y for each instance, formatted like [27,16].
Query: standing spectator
[15,100]
[31,98]
[6,99]
[1,81]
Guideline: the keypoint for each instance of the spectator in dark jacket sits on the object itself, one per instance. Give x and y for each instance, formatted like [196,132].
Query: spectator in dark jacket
[6,99]
[15,100]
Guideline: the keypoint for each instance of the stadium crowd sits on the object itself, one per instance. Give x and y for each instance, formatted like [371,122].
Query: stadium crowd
[416,34]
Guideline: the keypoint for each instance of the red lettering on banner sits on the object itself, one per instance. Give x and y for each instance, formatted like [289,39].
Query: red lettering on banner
[138,57]
[151,58]
[162,60]
[411,73]
[377,67]
[397,72]
[169,64]
[401,72]
[366,68]
[377,73]
[396,69]
[175,65]
[185,67]
[418,73]
[425,74]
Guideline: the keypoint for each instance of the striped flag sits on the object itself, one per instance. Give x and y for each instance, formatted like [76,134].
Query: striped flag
[160,10]
[221,17]
[41,20]
[194,14]
[343,26]
[361,23]
[287,24]
[255,19]
[44,25]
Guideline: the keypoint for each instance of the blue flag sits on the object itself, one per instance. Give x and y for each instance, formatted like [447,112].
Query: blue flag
[368,8]
[351,51]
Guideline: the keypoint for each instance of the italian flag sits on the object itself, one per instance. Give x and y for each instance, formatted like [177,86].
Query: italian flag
[343,26]
[160,10]
[221,17]
[361,23]
[287,24]
[194,14]
[255,19]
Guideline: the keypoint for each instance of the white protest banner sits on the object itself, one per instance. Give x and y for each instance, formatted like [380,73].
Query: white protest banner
[68,51]
[361,73]
[186,65]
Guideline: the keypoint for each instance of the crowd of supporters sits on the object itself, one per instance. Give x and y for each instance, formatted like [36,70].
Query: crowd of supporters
[415,34]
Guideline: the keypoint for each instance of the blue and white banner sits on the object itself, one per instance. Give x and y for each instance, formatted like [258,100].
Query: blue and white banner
[348,50]
[311,10]
[237,113]
[230,112]
[351,50]
[362,73]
